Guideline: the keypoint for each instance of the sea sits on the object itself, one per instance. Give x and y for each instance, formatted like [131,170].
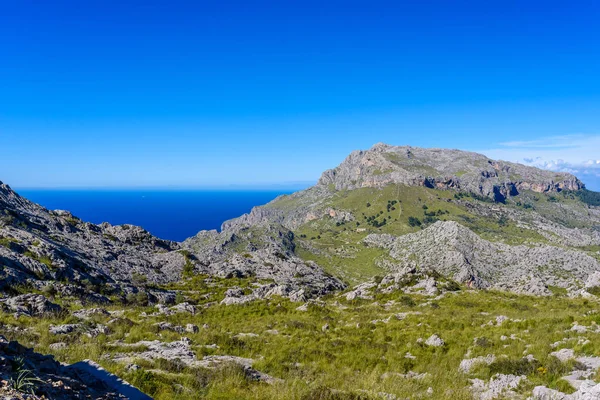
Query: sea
[167,214]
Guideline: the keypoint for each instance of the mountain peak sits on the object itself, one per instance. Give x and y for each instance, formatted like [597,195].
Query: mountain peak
[384,164]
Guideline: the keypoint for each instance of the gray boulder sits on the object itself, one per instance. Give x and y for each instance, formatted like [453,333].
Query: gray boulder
[34,305]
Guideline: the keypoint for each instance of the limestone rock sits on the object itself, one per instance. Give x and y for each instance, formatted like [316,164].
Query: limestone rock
[32,305]
[498,387]
[467,364]
[64,329]
[588,390]
[444,169]
[434,341]
[88,313]
[61,382]
[457,253]
[564,355]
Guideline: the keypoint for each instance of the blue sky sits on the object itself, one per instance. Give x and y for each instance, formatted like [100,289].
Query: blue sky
[196,94]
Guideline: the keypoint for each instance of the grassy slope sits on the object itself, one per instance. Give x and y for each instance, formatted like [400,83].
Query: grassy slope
[338,249]
[351,356]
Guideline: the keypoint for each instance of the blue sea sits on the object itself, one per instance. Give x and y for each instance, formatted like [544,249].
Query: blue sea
[167,214]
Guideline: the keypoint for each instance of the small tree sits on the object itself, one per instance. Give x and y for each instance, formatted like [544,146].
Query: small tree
[413,221]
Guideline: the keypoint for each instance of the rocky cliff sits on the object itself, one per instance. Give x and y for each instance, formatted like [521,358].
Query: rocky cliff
[40,248]
[38,245]
[443,169]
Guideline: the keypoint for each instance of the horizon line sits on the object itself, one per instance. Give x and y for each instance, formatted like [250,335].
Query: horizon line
[235,186]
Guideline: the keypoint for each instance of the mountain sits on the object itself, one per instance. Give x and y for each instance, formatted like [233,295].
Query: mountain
[39,247]
[54,249]
[403,273]
[383,165]
[482,222]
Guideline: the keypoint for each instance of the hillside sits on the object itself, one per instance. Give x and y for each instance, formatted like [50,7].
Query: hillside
[39,247]
[540,228]
[404,273]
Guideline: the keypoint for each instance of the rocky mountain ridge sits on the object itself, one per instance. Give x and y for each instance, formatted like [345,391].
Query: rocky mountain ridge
[556,233]
[283,244]
[43,248]
[443,169]
[456,252]
[39,245]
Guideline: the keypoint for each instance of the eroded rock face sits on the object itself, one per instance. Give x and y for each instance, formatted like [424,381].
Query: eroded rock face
[443,169]
[264,252]
[33,305]
[459,254]
[42,245]
[180,350]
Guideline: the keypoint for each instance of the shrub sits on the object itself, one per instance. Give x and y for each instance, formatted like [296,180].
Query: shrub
[49,290]
[141,298]
[171,365]
[138,279]
[594,290]
[179,298]
[407,301]
[188,268]
[452,286]
[325,393]
[589,197]
[521,366]
[413,221]
[483,342]
[7,242]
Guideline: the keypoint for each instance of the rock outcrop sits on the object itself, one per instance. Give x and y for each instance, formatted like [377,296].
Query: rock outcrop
[32,305]
[46,378]
[444,169]
[459,254]
[41,245]
[265,252]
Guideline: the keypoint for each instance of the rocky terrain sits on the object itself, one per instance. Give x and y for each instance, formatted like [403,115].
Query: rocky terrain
[484,223]
[404,273]
[265,252]
[456,252]
[443,169]
[38,245]
[26,374]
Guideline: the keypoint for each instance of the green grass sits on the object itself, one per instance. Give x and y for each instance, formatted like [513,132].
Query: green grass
[7,242]
[350,358]
[337,246]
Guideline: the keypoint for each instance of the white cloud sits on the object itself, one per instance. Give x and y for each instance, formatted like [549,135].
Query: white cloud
[576,154]
[569,153]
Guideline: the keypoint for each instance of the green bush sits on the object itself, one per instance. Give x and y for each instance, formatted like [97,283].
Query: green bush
[325,393]
[413,221]
[520,366]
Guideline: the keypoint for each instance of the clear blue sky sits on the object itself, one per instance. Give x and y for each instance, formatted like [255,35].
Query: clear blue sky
[126,93]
